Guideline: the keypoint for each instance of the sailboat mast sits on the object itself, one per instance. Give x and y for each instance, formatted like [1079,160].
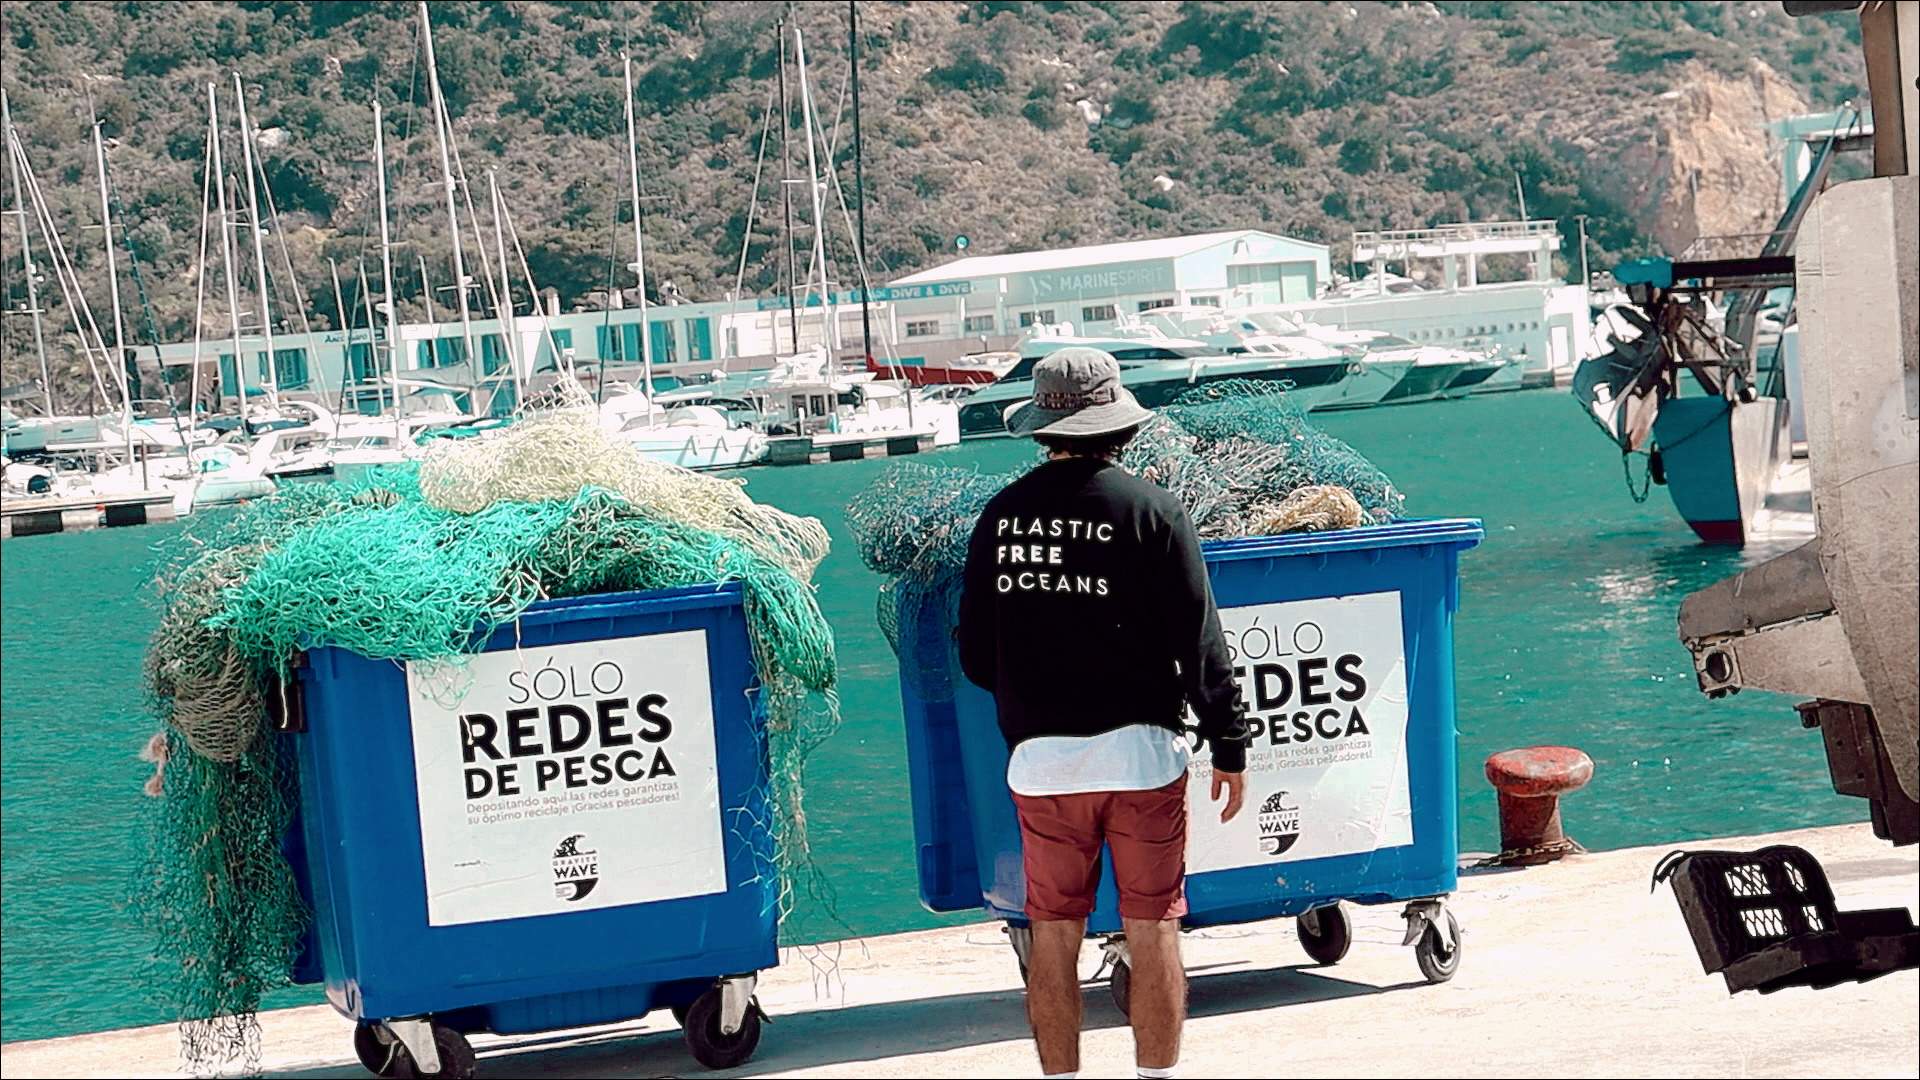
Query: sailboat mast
[226,257]
[441,122]
[860,202]
[426,297]
[200,287]
[26,250]
[786,188]
[639,242]
[366,302]
[259,247]
[819,260]
[69,281]
[386,280]
[113,289]
[859,182]
[347,374]
[509,333]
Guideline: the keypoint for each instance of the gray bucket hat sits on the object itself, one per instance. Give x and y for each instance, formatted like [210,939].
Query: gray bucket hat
[1077,394]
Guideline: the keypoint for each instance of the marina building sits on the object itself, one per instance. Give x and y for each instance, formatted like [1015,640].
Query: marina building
[682,339]
[1092,288]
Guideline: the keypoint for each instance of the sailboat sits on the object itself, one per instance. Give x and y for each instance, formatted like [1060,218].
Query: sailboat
[122,455]
[696,437]
[28,433]
[1686,384]
[814,411]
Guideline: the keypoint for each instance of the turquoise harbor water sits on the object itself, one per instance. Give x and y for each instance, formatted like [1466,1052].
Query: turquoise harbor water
[1566,634]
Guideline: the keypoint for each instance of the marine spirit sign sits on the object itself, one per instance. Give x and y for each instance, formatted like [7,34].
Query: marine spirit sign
[1117,279]
[567,777]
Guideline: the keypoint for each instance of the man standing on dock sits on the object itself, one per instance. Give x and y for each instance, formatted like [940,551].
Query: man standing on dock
[1086,611]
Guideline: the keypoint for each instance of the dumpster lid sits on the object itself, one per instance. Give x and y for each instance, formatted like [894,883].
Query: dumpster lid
[676,598]
[610,605]
[1459,532]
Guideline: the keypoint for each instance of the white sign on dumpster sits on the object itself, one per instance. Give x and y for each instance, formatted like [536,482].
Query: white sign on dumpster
[567,777]
[1325,682]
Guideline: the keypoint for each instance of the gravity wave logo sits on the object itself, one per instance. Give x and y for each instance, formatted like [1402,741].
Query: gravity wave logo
[1279,824]
[575,872]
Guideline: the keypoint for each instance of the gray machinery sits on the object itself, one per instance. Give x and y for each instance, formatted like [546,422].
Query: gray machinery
[1835,620]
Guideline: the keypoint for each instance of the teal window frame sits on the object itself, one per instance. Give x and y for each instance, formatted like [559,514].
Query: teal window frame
[493,353]
[553,343]
[660,337]
[699,339]
[291,366]
[360,362]
[607,340]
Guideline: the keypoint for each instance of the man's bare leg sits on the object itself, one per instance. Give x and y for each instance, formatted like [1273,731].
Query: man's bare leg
[1053,993]
[1159,992]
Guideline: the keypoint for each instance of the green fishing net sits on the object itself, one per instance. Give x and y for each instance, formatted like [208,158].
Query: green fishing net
[1240,455]
[418,565]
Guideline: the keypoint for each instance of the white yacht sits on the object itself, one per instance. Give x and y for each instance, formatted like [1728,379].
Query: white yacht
[1264,332]
[206,476]
[836,414]
[297,442]
[27,434]
[297,455]
[1157,368]
[1395,370]
[693,436]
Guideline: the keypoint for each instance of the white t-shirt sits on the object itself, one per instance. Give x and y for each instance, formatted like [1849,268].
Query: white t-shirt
[1137,757]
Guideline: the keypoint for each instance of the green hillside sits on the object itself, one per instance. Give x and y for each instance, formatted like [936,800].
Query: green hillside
[1020,125]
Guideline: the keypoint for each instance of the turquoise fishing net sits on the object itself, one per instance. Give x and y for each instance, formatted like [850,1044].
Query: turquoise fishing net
[1233,453]
[1227,448]
[377,568]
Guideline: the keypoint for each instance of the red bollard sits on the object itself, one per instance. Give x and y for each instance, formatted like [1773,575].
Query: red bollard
[1530,782]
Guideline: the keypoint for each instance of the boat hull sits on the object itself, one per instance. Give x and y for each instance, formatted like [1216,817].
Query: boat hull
[922,374]
[212,489]
[1471,379]
[1372,381]
[1719,459]
[1511,376]
[1159,384]
[1423,382]
[701,450]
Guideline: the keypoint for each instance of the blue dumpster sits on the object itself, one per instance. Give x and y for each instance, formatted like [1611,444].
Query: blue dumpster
[546,834]
[1343,644]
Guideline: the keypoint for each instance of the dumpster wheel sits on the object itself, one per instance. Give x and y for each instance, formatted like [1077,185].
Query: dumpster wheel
[456,1056]
[1326,933]
[710,1045]
[377,1052]
[1120,985]
[1437,959]
[1021,938]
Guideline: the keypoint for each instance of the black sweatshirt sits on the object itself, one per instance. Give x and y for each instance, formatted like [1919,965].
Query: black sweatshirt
[1086,608]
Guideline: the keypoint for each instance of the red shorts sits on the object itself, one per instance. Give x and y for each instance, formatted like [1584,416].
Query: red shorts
[1061,836]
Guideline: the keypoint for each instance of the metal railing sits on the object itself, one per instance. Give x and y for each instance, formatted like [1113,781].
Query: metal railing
[1731,245]
[1535,229]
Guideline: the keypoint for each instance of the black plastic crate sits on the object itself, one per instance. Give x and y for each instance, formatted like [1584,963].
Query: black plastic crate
[1767,920]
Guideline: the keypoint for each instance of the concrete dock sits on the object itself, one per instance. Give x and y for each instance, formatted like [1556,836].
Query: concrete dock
[1571,969]
[38,515]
